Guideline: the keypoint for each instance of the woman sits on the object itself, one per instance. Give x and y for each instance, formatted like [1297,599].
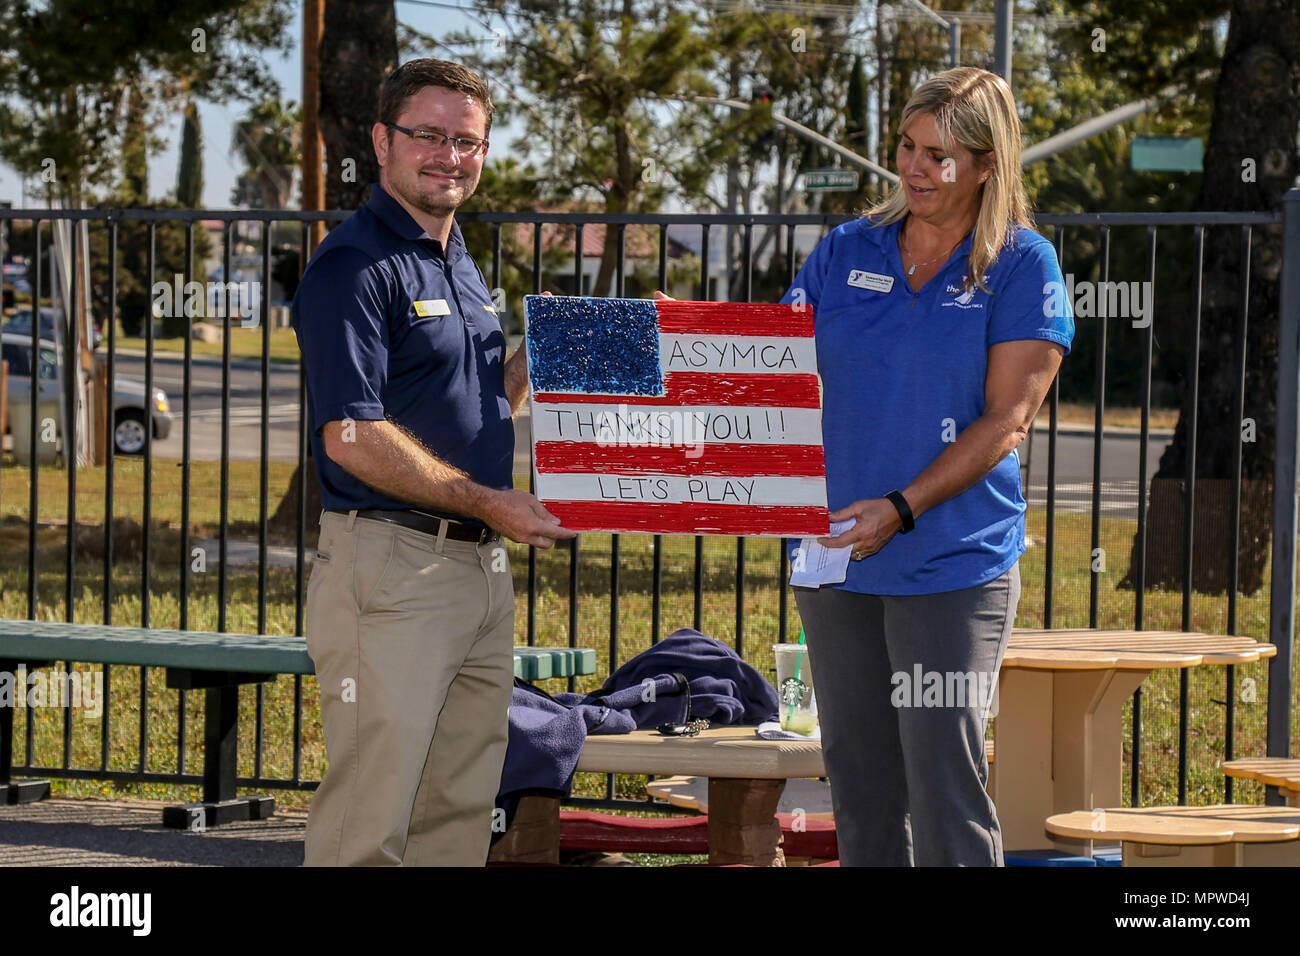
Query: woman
[936,343]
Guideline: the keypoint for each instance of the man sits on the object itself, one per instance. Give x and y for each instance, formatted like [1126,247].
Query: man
[410,609]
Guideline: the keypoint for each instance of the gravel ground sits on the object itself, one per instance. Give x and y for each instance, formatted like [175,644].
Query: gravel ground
[86,832]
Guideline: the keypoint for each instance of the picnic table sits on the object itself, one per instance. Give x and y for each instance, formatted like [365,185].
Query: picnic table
[1059,728]
[1229,834]
[1280,772]
[217,663]
[746,778]
[810,797]
[746,775]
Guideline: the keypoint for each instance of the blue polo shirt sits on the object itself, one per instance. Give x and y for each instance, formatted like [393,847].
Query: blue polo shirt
[392,325]
[903,375]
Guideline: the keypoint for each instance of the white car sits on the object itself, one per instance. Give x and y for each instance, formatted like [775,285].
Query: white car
[128,395]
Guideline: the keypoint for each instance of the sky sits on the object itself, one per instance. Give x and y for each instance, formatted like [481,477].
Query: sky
[220,166]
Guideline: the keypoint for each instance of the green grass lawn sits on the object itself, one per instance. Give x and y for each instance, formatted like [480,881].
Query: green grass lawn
[635,596]
[244,343]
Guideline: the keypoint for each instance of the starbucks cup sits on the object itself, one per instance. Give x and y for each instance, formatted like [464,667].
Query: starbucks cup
[796,691]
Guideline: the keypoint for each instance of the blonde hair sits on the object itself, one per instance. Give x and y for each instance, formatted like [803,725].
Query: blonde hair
[974,109]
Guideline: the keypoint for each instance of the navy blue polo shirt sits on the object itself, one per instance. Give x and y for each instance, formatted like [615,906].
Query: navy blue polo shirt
[393,326]
[903,374]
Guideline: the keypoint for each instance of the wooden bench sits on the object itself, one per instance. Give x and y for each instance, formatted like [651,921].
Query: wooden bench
[1219,835]
[1280,772]
[214,662]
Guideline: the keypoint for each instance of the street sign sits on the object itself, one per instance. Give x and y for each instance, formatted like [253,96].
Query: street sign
[1167,153]
[830,180]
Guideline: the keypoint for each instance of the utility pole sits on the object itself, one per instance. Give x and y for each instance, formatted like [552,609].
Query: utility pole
[954,32]
[1002,39]
[313,182]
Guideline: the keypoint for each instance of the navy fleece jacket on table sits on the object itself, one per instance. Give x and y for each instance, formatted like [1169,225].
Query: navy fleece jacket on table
[547,731]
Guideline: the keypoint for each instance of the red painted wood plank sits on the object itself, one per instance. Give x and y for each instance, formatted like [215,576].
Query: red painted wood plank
[565,457]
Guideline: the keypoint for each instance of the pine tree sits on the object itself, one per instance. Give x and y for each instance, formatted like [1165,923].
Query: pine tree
[189,177]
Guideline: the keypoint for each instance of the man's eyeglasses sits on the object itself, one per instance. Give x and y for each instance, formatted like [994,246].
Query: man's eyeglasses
[431,139]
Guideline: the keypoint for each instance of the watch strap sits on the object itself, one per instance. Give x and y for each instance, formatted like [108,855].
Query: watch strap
[904,510]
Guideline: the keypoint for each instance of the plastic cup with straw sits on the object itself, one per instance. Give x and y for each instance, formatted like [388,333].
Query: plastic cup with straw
[806,722]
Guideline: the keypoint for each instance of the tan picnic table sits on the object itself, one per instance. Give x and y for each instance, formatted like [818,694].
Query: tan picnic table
[810,797]
[1229,834]
[1280,772]
[1058,734]
[746,778]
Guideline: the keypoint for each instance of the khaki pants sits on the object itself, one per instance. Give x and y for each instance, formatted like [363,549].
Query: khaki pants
[413,647]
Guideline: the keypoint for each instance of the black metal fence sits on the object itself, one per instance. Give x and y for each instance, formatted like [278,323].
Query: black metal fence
[530,252]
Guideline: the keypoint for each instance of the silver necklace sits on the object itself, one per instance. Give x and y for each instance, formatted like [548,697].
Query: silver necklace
[916,265]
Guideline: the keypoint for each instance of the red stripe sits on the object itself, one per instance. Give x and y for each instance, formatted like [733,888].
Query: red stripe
[689,518]
[735,318]
[567,457]
[710,388]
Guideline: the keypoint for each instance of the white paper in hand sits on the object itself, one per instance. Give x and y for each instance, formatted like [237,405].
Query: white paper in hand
[815,565]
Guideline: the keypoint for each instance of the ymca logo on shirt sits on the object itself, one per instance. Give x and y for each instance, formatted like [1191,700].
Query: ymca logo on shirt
[965,299]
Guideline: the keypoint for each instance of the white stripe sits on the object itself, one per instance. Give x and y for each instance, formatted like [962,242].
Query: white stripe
[784,355]
[650,425]
[763,490]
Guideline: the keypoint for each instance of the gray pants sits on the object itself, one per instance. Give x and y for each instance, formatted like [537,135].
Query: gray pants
[902,687]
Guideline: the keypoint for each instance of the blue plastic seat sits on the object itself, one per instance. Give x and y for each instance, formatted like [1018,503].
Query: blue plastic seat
[1045,857]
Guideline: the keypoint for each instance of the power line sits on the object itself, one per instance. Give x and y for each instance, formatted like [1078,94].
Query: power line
[442,6]
[814,10]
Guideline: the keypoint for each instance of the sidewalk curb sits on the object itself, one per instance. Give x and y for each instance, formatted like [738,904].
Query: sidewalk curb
[1110,431]
[169,355]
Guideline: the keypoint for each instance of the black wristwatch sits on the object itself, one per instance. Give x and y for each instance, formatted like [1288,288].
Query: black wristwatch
[904,510]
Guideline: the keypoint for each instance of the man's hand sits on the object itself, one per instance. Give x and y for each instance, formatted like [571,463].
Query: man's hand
[520,517]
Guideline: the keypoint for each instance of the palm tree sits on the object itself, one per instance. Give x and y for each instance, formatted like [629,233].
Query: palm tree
[267,139]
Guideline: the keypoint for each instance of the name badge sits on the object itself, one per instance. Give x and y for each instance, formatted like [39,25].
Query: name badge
[427,307]
[872,281]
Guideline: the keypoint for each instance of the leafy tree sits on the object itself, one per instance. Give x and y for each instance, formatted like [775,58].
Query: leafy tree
[605,87]
[358,51]
[134,284]
[67,69]
[1245,98]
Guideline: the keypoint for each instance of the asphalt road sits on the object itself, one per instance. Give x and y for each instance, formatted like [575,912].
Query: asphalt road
[1073,466]
[245,408]
[205,399]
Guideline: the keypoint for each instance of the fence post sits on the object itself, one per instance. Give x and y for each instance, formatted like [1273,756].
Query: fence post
[1286,460]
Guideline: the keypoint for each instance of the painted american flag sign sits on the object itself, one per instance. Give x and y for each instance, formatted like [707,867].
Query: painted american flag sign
[676,417]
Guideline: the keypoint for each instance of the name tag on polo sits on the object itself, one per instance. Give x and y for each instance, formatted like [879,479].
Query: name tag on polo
[872,281]
[427,307]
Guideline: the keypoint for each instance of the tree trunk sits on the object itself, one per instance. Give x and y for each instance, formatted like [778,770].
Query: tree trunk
[360,47]
[284,521]
[1250,161]
[619,200]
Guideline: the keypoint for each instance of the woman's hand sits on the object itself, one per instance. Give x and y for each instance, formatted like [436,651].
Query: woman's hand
[663,297]
[877,521]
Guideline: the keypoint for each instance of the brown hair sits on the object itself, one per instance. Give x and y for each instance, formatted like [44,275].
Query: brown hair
[414,75]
